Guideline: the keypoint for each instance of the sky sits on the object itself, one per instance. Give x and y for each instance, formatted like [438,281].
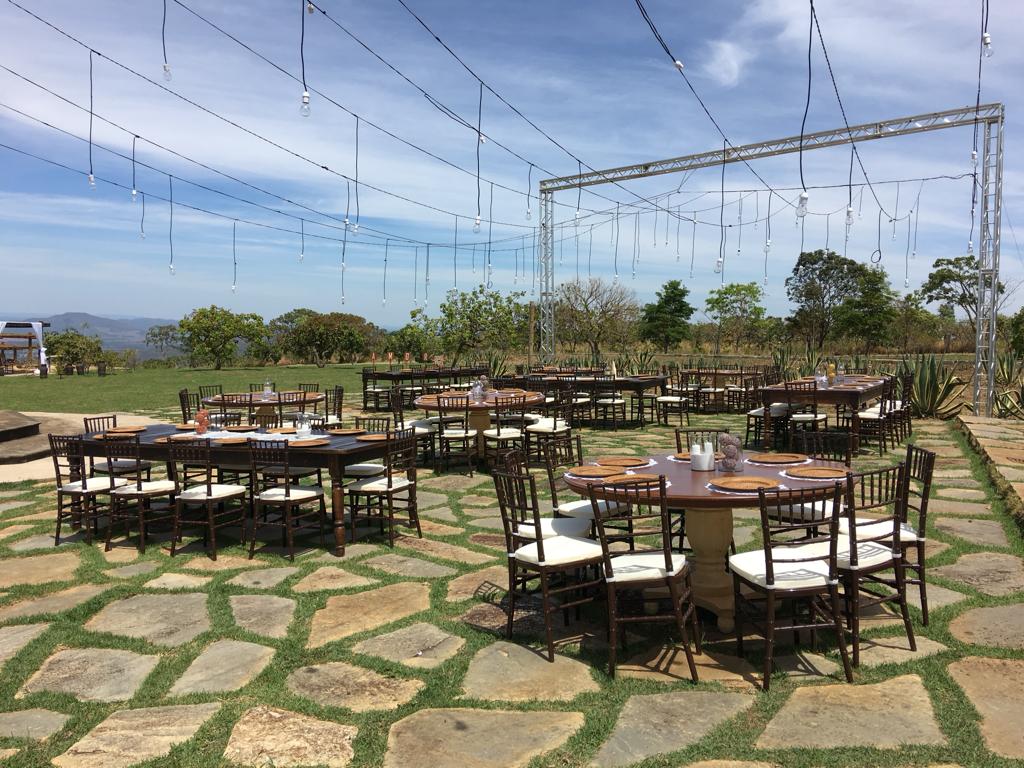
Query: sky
[589,73]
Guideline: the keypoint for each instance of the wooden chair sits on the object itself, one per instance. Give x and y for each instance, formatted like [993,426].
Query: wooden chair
[425,431]
[78,495]
[189,403]
[255,388]
[642,507]
[827,445]
[801,572]
[334,404]
[871,546]
[193,472]
[875,423]
[685,438]
[377,499]
[567,451]
[556,426]
[802,407]
[456,439]
[676,400]
[920,465]
[96,424]
[302,507]
[133,500]
[375,393]
[507,433]
[609,405]
[559,563]
[643,403]
[210,390]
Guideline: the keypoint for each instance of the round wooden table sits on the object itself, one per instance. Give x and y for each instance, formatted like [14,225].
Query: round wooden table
[479,410]
[709,515]
[261,402]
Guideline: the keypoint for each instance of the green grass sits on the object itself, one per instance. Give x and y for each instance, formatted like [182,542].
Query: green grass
[156,390]
[733,740]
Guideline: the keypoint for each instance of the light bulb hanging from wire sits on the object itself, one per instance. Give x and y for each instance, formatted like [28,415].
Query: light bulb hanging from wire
[92,178]
[170,223]
[234,258]
[384,295]
[529,187]
[344,265]
[355,228]
[135,192]
[163,43]
[142,220]
[986,43]
[304,105]
[302,240]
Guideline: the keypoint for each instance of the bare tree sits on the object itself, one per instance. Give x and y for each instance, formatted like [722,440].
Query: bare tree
[596,313]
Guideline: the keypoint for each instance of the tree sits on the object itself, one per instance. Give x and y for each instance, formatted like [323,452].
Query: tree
[319,337]
[915,326]
[869,315]
[820,283]
[163,338]
[415,338]
[736,311]
[280,328]
[955,281]
[666,322]
[475,320]
[595,312]
[71,347]
[212,333]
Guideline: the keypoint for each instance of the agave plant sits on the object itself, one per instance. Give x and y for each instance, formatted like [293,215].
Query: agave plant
[811,362]
[782,358]
[1009,368]
[497,362]
[937,390]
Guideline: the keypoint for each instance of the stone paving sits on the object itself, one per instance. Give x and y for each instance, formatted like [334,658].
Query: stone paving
[398,657]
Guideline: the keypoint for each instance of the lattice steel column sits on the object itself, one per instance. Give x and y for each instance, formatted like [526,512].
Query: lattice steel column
[988,267]
[547,276]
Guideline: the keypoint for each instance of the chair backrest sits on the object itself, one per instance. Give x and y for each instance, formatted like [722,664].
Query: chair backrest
[516,488]
[564,449]
[265,420]
[259,387]
[124,448]
[885,401]
[397,407]
[920,465]
[189,403]
[879,496]
[400,456]
[784,528]
[906,390]
[290,402]
[264,454]
[825,444]
[687,437]
[188,460]
[209,390]
[373,423]
[99,423]
[68,458]
[309,387]
[455,406]
[510,411]
[335,401]
[642,510]
[802,396]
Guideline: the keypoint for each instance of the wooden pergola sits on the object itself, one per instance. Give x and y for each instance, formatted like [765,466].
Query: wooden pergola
[16,338]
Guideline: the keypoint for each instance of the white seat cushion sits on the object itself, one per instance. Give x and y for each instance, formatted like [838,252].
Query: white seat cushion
[217,491]
[582,508]
[458,434]
[875,530]
[577,527]
[579,400]
[712,389]
[870,554]
[611,401]
[120,466]
[376,389]
[379,484]
[92,485]
[548,426]
[364,470]
[644,566]
[869,415]
[788,575]
[808,417]
[424,424]
[775,410]
[816,511]
[296,493]
[560,550]
[149,488]
[505,433]
[419,430]
[673,399]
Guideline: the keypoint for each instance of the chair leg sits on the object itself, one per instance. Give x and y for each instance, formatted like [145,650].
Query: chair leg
[511,597]
[769,639]
[545,606]
[212,546]
[901,588]
[922,586]
[673,588]
[851,588]
[840,632]
[613,630]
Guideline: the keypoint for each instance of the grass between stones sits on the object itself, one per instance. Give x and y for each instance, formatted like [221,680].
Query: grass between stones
[734,739]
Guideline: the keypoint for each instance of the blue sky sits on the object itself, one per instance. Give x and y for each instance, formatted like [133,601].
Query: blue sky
[589,73]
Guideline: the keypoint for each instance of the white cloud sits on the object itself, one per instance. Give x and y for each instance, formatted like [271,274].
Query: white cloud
[725,62]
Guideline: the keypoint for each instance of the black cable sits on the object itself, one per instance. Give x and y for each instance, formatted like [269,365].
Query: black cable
[490,225]
[348,203]
[455,256]
[807,103]
[234,258]
[721,222]
[615,264]
[767,238]
[302,42]
[90,114]
[344,263]
[416,277]
[426,279]
[170,221]
[693,244]
[357,172]
[302,239]
[384,297]
[479,141]
[134,137]
[878,247]
[590,248]
[142,221]
[163,36]
[529,187]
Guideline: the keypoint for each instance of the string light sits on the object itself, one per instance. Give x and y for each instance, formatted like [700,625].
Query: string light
[917,214]
[693,241]
[767,237]
[654,230]
[490,228]
[739,224]
[304,107]
[679,221]
[896,211]
[302,240]
[170,223]
[384,295]
[163,43]
[426,280]
[579,190]
[590,248]
[668,208]
[415,276]
[142,221]
[234,259]
[828,229]
[529,187]
[479,135]
[720,261]
[355,229]
[455,256]
[615,263]
[344,265]
[757,208]
[348,203]
[636,241]
[986,43]
[135,192]
[906,258]
[801,208]
[92,179]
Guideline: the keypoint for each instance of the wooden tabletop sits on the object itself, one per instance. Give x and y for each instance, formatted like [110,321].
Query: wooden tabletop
[853,389]
[431,402]
[260,399]
[689,490]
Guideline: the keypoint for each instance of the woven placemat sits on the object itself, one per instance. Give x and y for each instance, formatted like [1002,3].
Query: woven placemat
[636,477]
[589,470]
[778,458]
[818,473]
[231,441]
[313,442]
[372,438]
[751,483]
[346,431]
[685,455]
[621,461]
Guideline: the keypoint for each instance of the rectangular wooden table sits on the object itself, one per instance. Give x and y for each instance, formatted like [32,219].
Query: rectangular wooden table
[854,393]
[342,451]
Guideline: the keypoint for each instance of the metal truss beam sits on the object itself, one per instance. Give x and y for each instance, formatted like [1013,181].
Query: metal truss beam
[989,116]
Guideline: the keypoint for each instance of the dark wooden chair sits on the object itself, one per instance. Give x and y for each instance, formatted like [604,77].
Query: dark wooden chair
[133,500]
[507,433]
[378,499]
[564,565]
[362,470]
[652,565]
[96,424]
[609,404]
[787,572]
[802,408]
[675,401]
[876,423]
[425,431]
[301,507]
[334,404]
[827,445]
[78,494]
[189,403]
[555,427]
[456,439]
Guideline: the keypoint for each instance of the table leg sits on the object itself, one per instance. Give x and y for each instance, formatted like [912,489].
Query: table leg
[766,425]
[710,533]
[480,420]
[337,509]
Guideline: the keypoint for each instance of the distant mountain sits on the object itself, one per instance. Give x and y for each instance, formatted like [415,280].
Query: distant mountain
[115,334]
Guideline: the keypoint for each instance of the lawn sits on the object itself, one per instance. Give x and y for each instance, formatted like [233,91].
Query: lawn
[155,391]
